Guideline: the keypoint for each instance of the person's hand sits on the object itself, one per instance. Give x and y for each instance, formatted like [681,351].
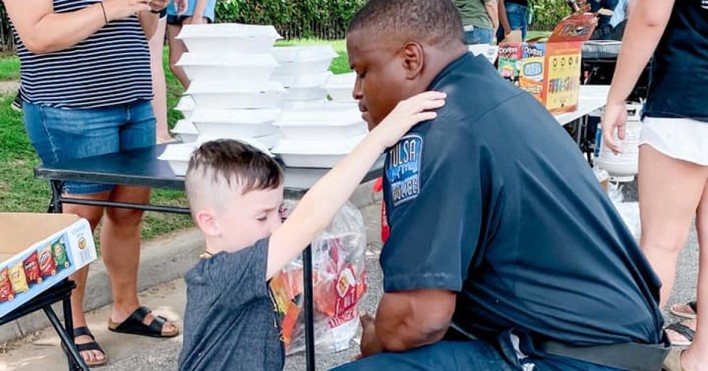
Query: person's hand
[614,119]
[369,343]
[181,6]
[408,113]
[507,31]
[119,9]
[195,20]
[157,5]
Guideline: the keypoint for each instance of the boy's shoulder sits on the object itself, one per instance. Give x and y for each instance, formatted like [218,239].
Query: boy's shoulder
[231,268]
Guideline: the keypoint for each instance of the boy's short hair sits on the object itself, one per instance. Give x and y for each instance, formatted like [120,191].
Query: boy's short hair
[437,22]
[225,164]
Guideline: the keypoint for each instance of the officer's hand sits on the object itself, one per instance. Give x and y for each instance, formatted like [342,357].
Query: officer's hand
[614,119]
[369,342]
[408,113]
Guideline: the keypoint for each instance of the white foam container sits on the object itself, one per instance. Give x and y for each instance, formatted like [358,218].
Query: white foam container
[220,123]
[341,86]
[305,94]
[236,94]
[217,65]
[314,153]
[296,54]
[186,105]
[229,37]
[177,155]
[263,143]
[323,123]
[303,81]
[299,105]
[186,131]
[302,60]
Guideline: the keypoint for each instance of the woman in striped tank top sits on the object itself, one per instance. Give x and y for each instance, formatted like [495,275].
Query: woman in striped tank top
[86,88]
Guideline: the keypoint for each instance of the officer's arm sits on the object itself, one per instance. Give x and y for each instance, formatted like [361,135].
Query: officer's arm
[410,319]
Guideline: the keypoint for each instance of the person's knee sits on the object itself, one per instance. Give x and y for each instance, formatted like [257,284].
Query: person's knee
[124,217]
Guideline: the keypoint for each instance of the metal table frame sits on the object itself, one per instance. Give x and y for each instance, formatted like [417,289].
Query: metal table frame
[61,292]
[89,170]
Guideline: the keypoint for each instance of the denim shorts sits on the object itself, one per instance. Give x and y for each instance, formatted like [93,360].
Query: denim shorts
[60,134]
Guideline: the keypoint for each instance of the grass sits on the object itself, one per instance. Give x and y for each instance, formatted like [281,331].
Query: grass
[9,68]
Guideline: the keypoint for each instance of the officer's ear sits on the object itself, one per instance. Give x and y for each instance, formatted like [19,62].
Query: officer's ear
[413,59]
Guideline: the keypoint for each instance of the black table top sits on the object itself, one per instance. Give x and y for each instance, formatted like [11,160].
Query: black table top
[142,167]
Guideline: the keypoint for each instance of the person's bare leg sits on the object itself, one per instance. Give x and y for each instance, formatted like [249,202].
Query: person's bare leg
[177,48]
[93,215]
[669,193]
[120,249]
[159,88]
[696,356]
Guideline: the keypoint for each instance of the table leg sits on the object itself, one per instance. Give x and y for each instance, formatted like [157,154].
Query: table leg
[69,326]
[55,204]
[309,309]
[75,360]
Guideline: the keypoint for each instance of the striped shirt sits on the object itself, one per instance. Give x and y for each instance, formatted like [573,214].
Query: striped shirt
[111,67]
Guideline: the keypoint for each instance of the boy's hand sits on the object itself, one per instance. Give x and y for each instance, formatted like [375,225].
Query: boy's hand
[406,114]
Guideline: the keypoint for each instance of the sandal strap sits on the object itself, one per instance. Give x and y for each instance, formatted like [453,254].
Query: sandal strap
[83,331]
[693,305]
[682,330]
[140,314]
[89,346]
[157,324]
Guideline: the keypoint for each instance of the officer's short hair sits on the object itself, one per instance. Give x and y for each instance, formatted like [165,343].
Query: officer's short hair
[224,165]
[436,22]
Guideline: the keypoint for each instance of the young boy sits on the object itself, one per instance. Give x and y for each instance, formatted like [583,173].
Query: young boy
[235,194]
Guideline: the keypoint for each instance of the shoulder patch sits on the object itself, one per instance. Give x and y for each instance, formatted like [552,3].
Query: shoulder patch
[403,169]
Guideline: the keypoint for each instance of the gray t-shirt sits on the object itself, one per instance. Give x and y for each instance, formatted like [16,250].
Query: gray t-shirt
[230,322]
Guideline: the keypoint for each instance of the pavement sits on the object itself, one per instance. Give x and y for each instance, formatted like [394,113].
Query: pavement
[39,350]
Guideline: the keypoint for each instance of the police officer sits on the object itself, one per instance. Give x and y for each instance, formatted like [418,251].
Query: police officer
[504,252]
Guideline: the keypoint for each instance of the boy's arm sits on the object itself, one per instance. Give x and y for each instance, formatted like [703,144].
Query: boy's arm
[320,204]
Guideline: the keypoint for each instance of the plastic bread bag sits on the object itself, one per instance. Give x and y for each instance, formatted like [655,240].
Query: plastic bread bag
[339,283]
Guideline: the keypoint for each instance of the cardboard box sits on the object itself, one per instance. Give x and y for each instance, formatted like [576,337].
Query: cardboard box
[37,252]
[550,71]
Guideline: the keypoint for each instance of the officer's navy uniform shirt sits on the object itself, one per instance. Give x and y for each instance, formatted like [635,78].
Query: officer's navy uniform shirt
[494,201]
[679,73]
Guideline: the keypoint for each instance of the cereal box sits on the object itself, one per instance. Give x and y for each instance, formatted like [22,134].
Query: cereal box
[550,71]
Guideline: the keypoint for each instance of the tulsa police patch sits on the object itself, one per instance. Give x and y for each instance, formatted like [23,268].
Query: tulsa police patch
[403,169]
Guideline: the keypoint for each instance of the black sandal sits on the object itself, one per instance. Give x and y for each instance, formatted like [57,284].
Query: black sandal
[93,345]
[134,325]
[684,331]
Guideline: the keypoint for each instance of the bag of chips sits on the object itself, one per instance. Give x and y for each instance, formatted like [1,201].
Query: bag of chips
[47,266]
[6,293]
[31,265]
[60,257]
[18,278]
[339,284]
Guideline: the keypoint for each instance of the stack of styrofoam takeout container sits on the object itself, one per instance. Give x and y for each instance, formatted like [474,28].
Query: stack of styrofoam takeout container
[279,99]
[231,93]
[316,132]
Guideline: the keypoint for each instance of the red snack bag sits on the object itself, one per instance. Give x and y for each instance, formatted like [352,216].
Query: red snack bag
[31,264]
[47,266]
[6,293]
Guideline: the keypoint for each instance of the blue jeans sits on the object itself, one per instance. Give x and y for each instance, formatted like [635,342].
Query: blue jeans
[479,36]
[517,20]
[60,134]
[471,355]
